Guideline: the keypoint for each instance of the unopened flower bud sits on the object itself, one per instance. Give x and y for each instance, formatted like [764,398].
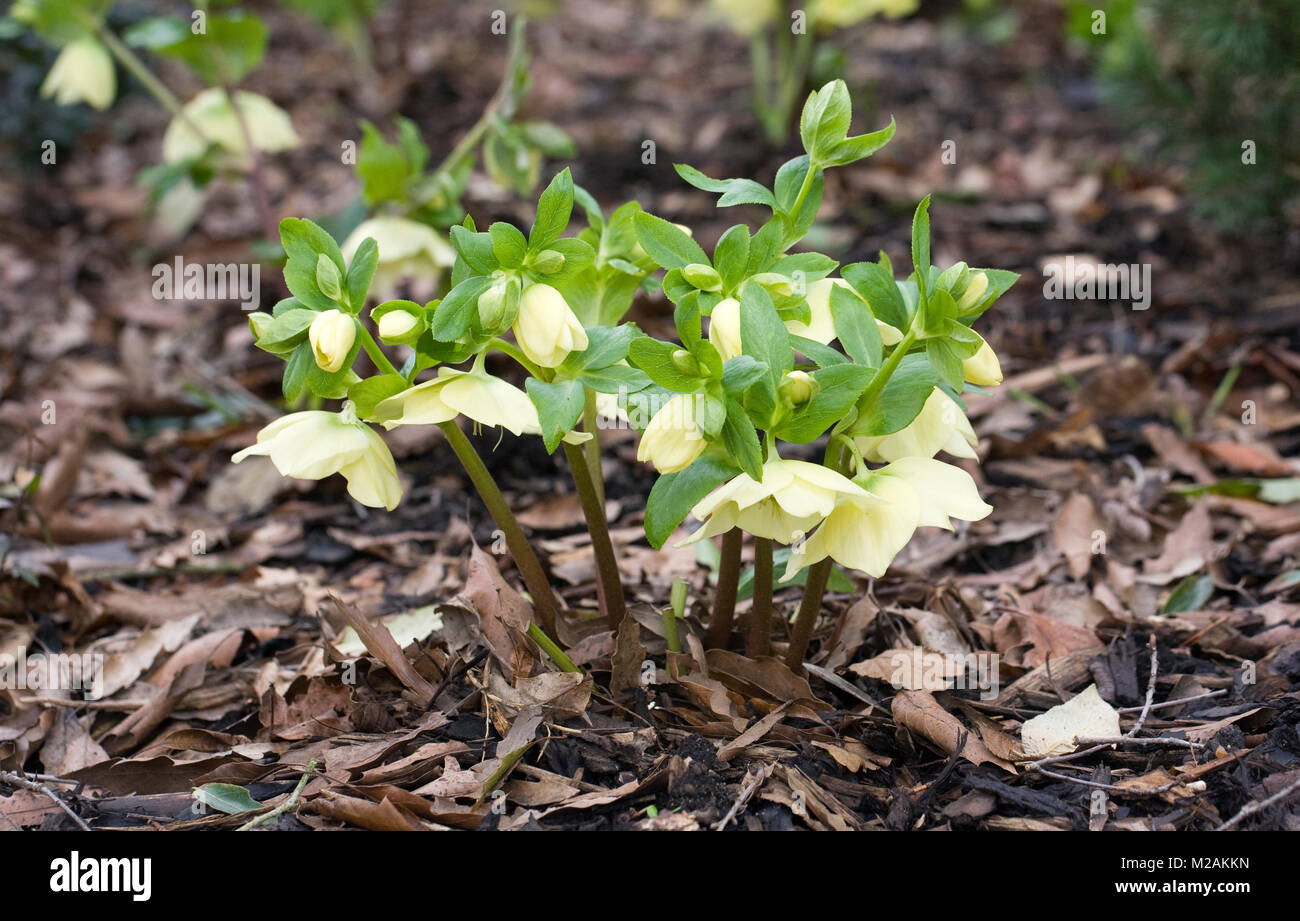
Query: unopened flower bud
[548,262]
[395,325]
[673,439]
[546,328]
[797,388]
[498,306]
[774,283]
[332,334]
[686,363]
[724,328]
[974,293]
[704,277]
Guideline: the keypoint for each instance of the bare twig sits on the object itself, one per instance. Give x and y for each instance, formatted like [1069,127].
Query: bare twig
[19,780]
[1151,689]
[284,807]
[748,788]
[1173,703]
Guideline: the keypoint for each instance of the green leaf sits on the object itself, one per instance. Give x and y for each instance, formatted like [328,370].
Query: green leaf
[476,249]
[675,494]
[741,373]
[369,393]
[823,355]
[855,327]
[825,120]
[606,345]
[733,191]
[615,379]
[921,244]
[901,399]
[741,440]
[304,243]
[731,256]
[876,284]
[668,245]
[946,363]
[282,333]
[329,279]
[655,358]
[553,210]
[361,272]
[508,244]
[458,309]
[559,406]
[295,371]
[225,797]
[762,334]
[1189,595]
[230,48]
[850,150]
[841,385]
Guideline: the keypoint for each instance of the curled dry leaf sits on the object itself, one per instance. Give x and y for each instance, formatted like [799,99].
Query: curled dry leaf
[920,713]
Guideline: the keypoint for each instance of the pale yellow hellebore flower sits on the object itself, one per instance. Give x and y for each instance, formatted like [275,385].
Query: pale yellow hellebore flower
[673,439]
[210,112]
[83,72]
[331,335]
[911,492]
[940,426]
[791,498]
[407,250]
[315,444]
[547,329]
[724,328]
[983,368]
[821,326]
[474,394]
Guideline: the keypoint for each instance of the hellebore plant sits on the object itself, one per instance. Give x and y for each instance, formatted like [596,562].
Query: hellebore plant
[771,350]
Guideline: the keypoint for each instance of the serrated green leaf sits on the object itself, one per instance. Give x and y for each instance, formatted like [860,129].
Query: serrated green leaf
[674,495]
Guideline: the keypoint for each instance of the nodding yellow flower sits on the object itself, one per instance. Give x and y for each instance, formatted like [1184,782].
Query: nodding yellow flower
[315,444]
[474,394]
[83,72]
[821,326]
[332,335]
[910,493]
[673,439]
[547,329]
[407,250]
[210,112]
[940,426]
[724,328]
[791,498]
[983,368]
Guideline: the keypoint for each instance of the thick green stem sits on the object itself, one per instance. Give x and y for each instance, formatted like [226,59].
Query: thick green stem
[373,350]
[760,628]
[592,447]
[819,573]
[609,585]
[526,561]
[554,652]
[724,599]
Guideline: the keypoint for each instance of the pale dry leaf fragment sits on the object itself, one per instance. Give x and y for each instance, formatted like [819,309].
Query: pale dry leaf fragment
[1187,548]
[1084,716]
